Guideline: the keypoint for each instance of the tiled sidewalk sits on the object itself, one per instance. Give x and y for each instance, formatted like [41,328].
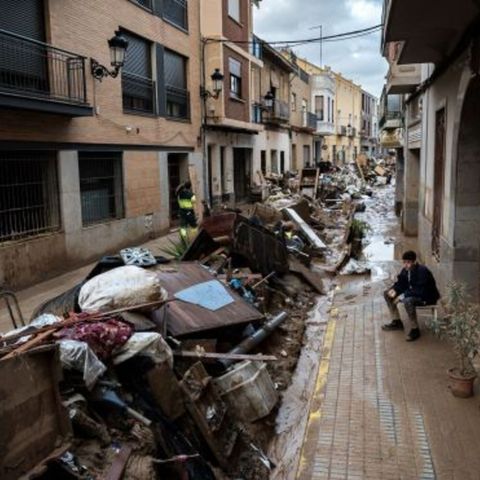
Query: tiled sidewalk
[382,409]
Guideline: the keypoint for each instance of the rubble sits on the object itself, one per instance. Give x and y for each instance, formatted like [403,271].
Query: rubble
[174,369]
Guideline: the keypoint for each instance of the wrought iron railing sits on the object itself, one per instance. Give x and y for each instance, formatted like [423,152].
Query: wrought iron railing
[256,113]
[311,121]
[34,69]
[178,102]
[281,111]
[176,11]
[256,47]
[138,93]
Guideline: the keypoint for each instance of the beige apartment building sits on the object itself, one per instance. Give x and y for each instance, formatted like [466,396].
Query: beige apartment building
[338,105]
[89,160]
[232,119]
[303,122]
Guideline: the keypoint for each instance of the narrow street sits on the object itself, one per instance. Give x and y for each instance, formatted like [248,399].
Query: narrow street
[239,240]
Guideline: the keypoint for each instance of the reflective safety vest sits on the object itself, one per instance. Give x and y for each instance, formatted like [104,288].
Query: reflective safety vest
[186,203]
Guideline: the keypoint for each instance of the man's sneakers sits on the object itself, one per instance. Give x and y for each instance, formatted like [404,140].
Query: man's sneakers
[413,335]
[393,325]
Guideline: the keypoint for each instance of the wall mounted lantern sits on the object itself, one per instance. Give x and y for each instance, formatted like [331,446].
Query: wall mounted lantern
[217,81]
[118,45]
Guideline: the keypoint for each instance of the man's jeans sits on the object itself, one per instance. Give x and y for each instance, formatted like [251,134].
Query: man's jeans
[410,304]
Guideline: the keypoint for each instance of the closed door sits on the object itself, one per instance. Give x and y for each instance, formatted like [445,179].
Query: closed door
[438,181]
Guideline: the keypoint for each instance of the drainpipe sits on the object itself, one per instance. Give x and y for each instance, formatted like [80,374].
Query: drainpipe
[203,130]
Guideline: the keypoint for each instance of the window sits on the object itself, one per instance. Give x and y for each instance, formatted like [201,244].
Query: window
[274,161]
[235,78]
[263,161]
[137,85]
[294,102]
[333,111]
[328,109]
[176,12]
[319,107]
[178,99]
[29,198]
[304,112]
[101,186]
[282,162]
[148,4]
[234,9]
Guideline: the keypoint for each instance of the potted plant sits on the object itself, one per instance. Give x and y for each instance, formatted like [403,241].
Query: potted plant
[461,326]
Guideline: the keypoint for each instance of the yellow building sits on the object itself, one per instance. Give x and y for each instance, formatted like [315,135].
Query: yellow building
[342,111]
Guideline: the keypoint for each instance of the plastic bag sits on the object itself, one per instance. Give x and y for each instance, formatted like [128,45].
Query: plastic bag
[149,344]
[121,287]
[75,355]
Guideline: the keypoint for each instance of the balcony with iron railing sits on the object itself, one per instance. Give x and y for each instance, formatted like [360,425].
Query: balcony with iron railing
[309,121]
[37,76]
[178,103]
[279,114]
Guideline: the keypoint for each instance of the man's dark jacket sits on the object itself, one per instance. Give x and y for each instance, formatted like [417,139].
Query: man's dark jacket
[421,284]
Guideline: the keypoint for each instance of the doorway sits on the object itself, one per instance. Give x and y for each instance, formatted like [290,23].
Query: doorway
[177,173]
[438,181]
[241,173]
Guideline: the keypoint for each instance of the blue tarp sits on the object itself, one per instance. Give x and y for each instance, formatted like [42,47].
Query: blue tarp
[211,295]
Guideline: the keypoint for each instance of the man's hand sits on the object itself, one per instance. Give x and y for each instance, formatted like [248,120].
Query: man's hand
[392,293]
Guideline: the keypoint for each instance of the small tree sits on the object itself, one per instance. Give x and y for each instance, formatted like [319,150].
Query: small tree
[461,326]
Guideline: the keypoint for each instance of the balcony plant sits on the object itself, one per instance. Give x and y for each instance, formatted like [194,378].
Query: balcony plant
[461,327]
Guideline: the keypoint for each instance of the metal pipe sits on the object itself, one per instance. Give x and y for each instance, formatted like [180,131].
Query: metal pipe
[256,338]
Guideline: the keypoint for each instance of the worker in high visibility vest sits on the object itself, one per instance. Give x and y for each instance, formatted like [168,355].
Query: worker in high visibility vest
[186,202]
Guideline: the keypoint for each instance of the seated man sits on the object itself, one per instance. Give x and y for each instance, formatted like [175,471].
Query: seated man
[415,287]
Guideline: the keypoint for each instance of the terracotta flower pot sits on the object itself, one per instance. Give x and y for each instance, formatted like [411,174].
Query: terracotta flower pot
[461,386]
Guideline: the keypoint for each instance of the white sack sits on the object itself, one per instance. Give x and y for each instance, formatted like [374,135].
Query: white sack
[121,287]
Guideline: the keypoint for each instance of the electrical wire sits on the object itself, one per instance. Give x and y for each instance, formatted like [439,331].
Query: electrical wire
[327,38]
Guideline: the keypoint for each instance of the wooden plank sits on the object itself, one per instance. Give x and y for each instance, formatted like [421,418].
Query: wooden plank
[312,278]
[225,356]
[308,231]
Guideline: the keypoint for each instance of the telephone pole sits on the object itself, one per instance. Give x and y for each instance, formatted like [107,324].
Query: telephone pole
[320,28]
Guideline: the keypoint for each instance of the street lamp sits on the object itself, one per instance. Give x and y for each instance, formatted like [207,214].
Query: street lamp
[268,100]
[217,81]
[118,45]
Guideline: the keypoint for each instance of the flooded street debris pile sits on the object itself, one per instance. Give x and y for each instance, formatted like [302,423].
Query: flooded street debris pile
[154,367]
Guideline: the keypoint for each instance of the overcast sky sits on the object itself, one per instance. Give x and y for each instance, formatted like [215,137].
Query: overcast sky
[358,59]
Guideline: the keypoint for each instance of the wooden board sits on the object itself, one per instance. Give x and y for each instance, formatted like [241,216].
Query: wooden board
[312,238]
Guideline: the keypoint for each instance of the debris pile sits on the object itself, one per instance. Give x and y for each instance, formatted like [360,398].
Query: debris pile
[153,368]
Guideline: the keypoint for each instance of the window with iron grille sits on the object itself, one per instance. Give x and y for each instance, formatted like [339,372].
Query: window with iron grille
[176,12]
[29,198]
[178,98]
[235,78]
[101,186]
[137,85]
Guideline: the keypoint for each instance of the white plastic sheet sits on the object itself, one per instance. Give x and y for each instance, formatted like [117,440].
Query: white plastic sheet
[75,355]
